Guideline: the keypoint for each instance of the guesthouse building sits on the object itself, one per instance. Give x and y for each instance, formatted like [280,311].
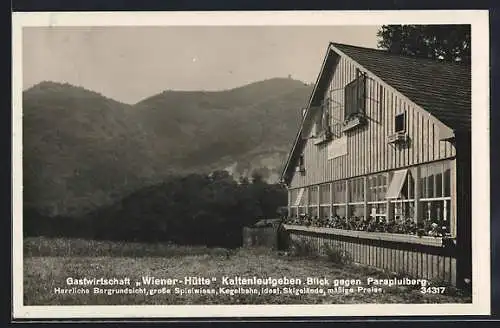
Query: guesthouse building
[381,164]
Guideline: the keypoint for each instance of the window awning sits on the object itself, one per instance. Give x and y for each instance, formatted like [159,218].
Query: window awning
[396,185]
[299,197]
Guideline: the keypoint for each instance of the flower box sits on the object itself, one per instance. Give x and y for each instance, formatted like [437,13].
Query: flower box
[398,138]
[353,123]
[394,237]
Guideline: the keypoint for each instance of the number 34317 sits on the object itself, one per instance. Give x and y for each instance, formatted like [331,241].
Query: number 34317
[432,290]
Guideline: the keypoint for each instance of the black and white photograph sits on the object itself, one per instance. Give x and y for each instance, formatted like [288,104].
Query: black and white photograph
[245,164]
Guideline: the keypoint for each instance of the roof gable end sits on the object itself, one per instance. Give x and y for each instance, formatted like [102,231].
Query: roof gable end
[443,90]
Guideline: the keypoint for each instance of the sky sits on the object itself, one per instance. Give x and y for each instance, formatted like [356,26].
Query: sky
[129,64]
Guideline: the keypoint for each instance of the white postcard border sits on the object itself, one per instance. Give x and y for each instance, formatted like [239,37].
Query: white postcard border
[480,157]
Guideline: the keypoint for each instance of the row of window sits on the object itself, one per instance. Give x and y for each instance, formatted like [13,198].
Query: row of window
[434,182]
[397,188]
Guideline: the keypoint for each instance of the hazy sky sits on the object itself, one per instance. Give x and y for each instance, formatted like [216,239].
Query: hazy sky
[132,63]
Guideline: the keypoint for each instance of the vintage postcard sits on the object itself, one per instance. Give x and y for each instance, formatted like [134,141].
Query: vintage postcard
[250,164]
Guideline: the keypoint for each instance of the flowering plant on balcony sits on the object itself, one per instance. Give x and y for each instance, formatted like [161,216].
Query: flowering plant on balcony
[433,228]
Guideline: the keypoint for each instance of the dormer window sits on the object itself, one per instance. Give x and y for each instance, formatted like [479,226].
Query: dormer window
[355,102]
[400,123]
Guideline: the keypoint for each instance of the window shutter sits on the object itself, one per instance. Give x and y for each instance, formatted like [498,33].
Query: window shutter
[361,88]
[350,99]
[325,120]
[355,96]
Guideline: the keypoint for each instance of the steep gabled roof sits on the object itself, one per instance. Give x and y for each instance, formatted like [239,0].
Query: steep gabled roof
[441,88]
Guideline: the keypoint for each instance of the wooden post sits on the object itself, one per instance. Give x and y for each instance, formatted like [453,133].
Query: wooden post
[318,200]
[308,193]
[418,206]
[365,194]
[453,194]
[461,202]
[347,198]
[446,210]
[389,213]
[290,200]
[331,199]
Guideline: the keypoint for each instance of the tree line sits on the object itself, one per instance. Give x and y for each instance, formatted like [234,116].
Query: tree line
[451,43]
[195,209]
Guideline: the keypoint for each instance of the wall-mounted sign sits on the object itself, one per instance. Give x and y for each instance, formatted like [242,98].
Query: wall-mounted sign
[337,147]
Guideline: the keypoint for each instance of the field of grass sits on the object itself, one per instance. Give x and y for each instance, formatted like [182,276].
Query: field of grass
[49,262]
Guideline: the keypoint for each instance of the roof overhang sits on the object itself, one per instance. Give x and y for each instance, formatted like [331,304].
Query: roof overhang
[445,133]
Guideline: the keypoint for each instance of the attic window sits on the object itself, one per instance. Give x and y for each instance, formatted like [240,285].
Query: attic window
[301,167]
[355,101]
[400,123]
[399,137]
[322,129]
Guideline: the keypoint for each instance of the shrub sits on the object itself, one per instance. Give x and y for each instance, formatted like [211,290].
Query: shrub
[337,255]
[283,238]
[302,248]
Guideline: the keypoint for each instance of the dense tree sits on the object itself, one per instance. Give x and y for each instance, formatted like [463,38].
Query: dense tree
[243,180]
[194,209]
[446,42]
[257,177]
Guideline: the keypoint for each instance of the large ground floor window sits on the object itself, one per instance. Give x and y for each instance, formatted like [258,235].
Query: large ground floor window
[415,200]
[313,211]
[403,209]
[324,211]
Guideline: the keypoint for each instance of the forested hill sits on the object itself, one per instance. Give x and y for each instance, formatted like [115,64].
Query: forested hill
[194,209]
[83,150]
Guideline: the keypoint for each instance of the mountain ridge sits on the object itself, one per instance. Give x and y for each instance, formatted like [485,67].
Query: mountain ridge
[83,149]
[46,83]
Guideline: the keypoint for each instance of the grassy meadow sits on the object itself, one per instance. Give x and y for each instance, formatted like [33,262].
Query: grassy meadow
[49,262]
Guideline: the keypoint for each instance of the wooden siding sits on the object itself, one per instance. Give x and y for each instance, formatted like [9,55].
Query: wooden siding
[367,148]
[416,261]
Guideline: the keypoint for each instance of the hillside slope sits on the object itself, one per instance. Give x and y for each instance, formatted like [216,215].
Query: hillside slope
[83,150]
[79,148]
[205,127]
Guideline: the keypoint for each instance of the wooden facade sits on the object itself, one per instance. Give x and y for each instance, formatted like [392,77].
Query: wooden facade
[422,260]
[341,175]
[367,148]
